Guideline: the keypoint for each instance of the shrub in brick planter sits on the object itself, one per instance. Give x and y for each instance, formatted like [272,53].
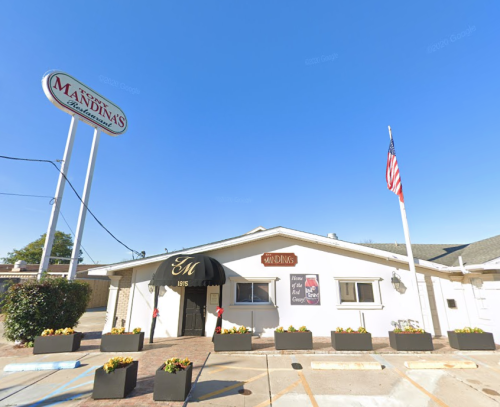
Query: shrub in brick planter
[293,339]
[234,339]
[120,341]
[61,340]
[410,339]
[349,339]
[173,380]
[116,379]
[471,339]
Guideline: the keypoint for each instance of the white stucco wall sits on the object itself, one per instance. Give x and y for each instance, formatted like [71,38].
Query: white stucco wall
[245,261]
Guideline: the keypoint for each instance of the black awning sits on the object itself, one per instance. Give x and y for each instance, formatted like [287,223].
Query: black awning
[189,270]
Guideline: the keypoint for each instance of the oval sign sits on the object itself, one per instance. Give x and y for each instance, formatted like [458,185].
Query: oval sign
[74,97]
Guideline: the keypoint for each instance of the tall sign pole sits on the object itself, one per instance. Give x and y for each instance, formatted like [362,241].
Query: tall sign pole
[411,260]
[49,239]
[85,104]
[83,207]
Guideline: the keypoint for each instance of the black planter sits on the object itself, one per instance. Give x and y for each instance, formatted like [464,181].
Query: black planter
[411,342]
[345,341]
[122,343]
[293,340]
[57,343]
[117,384]
[230,342]
[471,341]
[172,386]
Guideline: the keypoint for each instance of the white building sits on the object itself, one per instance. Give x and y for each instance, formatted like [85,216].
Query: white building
[269,271]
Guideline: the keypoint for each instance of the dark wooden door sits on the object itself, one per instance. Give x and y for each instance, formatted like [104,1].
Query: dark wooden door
[195,302]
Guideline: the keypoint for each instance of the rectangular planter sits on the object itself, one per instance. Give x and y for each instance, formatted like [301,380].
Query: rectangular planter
[122,343]
[232,342]
[57,343]
[117,384]
[293,340]
[411,342]
[345,341]
[471,341]
[172,386]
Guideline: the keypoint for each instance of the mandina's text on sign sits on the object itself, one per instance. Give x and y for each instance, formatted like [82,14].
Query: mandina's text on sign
[75,98]
[279,259]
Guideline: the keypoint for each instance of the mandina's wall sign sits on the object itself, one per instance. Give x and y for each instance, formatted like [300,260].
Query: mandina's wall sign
[75,98]
[279,259]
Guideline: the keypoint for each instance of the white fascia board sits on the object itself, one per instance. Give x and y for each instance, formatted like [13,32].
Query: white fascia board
[265,234]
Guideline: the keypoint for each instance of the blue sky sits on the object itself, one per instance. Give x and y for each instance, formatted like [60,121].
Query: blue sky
[248,113]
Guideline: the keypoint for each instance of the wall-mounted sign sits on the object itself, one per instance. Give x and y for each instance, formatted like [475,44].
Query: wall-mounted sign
[74,97]
[279,259]
[304,289]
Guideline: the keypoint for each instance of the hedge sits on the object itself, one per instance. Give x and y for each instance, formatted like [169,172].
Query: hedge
[34,306]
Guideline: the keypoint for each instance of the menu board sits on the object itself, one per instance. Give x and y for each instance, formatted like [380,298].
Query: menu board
[304,289]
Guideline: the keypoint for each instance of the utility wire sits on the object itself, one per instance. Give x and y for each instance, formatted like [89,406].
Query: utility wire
[34,196]
[69,227]
[51,203]
[76,193]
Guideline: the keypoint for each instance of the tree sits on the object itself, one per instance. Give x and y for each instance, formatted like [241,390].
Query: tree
[32,252]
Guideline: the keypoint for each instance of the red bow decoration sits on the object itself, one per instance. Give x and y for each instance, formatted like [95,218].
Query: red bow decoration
[220,311]
[155,312]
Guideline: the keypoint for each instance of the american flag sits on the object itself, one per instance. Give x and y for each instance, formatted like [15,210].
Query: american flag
[392,173]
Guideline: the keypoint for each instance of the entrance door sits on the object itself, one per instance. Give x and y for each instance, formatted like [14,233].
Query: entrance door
[195,300]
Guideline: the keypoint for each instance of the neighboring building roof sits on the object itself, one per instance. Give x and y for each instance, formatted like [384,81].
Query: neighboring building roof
[55,268]
[29,269]
[447,254]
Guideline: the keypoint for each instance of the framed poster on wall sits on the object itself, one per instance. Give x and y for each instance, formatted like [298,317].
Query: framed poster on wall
[304,289]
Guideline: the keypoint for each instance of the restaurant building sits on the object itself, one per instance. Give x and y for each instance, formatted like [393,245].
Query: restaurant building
[280,277]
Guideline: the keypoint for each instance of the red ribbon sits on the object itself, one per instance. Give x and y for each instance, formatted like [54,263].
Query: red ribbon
[220,311]
[155,312]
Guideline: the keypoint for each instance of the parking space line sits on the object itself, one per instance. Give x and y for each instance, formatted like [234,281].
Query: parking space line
[438,401]
[234,386]
[88,372]
[307,389]
[218,370]
[278,395]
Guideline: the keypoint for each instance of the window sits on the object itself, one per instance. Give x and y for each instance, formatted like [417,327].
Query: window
[358,293]
[252,292]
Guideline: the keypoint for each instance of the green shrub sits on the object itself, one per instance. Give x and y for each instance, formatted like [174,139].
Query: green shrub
[37,305]
[5,284]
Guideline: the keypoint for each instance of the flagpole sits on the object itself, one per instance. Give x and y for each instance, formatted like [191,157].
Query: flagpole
[411,260]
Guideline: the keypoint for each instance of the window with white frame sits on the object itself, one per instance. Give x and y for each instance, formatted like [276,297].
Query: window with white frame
[258,292]
[358,293]
[252,293]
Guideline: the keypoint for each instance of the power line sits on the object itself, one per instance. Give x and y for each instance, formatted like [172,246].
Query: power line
[34,196]
[51,203]
[76,193]
[71,230]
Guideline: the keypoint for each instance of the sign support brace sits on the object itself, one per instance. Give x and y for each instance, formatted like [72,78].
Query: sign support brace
[84,205]
[49,239]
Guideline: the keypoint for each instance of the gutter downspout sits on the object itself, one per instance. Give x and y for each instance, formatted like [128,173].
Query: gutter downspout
[464,271]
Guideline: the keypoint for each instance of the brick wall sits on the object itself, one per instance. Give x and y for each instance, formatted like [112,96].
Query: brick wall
[123,296]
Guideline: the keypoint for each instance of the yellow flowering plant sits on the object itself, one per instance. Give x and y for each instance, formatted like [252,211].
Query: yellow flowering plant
[349,330]
[116,363]
[121,331]
[175,364]
[469,330]
[409,330]
[51,332]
